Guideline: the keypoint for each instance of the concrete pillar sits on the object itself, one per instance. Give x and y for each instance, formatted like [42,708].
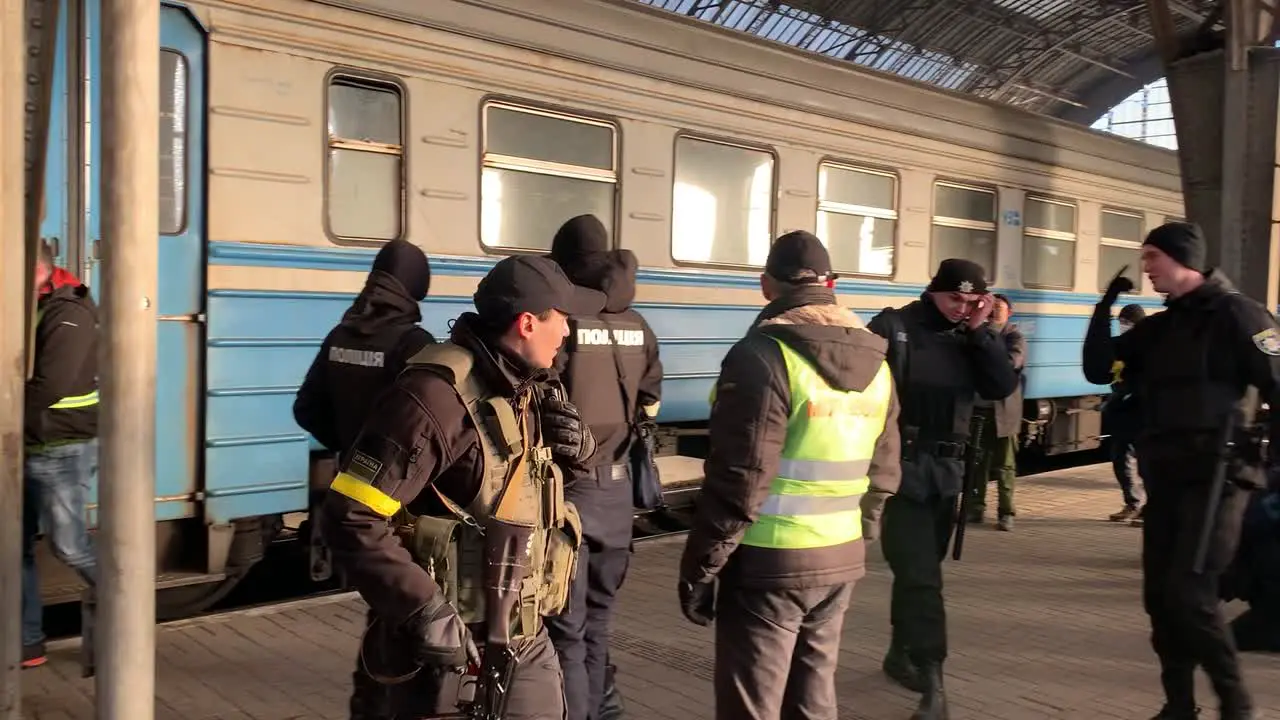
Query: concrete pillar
[125,646]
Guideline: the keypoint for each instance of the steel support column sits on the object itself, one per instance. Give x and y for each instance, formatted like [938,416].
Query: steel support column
[125,648]
[1225,112]
[13,304]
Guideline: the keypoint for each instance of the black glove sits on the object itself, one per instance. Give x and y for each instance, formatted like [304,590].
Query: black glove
[439,637]
[565,433]
[698,601]
[1119,284]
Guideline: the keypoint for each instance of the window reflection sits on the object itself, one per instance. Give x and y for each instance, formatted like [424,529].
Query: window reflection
[722,204]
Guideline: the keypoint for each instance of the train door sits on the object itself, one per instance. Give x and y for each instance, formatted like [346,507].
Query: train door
[181,241]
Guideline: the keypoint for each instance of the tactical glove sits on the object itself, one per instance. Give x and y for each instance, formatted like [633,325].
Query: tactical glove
[698,601]
[565,433]
[439,637]
[1119,284]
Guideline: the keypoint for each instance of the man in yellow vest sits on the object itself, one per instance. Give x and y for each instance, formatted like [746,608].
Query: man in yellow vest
[60,430]
[804,453]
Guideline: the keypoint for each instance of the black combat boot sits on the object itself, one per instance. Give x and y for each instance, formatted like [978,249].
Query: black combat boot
[1179,693]
[933,704]
[611,705]
[898,666]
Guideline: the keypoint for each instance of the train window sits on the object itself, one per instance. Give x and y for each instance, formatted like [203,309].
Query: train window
[722,203]
[173,142]
[1048,243]
[857,218]
[540,169]
[1121,245]
[964,225]
[366,159]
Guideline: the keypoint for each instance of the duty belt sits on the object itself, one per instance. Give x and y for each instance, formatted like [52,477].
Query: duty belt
[913,446]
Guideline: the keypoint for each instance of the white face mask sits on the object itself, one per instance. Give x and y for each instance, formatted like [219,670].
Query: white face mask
[1125,327]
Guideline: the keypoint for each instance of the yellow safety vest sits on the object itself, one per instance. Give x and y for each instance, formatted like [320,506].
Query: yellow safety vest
[815,499]
[71,402]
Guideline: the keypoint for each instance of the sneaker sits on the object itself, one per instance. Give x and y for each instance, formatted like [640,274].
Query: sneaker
[1005,523]
[1126,513]
[33,656]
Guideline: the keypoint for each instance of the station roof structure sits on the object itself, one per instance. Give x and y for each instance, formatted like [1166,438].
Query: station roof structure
[1072,59]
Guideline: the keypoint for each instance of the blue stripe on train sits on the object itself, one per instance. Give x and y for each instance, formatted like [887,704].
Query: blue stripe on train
[260,342]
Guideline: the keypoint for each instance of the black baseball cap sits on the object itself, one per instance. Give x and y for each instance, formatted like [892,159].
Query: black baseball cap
[532,284]
[798,257]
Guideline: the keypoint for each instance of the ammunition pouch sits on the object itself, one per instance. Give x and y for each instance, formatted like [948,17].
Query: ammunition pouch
[561,565]
[433,543]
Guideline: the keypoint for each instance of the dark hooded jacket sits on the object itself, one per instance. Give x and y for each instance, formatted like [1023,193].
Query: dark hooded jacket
[1190,366]
[367,349]
[65,365]
[417,435]
[612,353]
[749,421]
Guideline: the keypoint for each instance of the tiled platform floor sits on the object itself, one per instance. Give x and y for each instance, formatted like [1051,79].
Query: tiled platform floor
[1045,622]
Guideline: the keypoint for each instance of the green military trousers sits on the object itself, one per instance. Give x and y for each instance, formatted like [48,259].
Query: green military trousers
[998,465]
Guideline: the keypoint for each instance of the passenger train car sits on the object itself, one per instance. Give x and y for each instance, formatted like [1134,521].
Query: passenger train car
[297,136]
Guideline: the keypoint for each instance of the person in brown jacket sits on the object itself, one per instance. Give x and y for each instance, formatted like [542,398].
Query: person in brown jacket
[804,452]
[1000,448]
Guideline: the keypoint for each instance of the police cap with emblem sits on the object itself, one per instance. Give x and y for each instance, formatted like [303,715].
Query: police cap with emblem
[958,275]
[531,284]
[798,257]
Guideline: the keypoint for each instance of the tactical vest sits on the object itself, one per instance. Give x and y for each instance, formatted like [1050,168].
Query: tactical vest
[71,402]
[452,549]
[816,498]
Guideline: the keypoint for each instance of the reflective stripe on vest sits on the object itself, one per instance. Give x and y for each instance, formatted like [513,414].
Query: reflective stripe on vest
[73,402]
[815,500]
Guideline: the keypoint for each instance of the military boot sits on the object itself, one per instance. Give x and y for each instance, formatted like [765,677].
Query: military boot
[898,666]
[1179,692]
[933,704]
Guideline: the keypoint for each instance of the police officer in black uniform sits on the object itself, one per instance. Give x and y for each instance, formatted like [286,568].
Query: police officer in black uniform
[943,354]
[467,428]
[359,357]
[1201,366]
[610,366]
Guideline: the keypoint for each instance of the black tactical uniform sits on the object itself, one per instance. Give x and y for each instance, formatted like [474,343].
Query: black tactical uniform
[939,367]
[469,439]
[359,358]
[611,369]
[365,351]
[1193,366]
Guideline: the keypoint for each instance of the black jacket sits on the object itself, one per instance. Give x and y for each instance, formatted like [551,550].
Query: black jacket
[1190,366]
[940,367]
[66,365]
[749,422]
[360,357]
[586,362]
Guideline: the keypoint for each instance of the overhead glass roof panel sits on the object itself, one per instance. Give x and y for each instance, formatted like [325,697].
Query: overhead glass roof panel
[1041,55]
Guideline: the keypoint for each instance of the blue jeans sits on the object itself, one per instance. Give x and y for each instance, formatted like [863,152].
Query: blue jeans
[55,489]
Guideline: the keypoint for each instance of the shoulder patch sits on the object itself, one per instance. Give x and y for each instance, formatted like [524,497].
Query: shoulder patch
[1268,341]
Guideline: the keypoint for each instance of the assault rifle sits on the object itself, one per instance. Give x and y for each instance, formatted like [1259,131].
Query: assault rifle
[1225,448]
[972,465]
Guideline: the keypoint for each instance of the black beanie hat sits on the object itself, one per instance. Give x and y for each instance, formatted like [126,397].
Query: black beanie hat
[1132,313]
[1181,241]
[958,275]
[405,262]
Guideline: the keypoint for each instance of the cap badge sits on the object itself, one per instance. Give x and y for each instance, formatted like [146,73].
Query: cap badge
[966,286]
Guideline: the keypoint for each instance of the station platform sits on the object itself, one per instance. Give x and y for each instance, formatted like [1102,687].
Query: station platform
[1045,622]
